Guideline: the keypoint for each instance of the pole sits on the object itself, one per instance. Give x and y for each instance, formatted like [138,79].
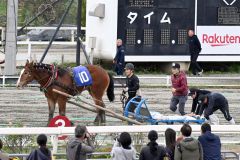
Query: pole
[118,116]
[78,32]
[58,27]
[87,108]
[11,40]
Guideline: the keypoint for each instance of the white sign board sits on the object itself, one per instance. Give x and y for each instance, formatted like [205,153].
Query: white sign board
[219,39]
[104,29]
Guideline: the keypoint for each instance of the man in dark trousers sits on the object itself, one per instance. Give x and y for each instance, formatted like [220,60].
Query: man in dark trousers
[132,84]
[119,59]
[212,102]
[210,142]
[194,93]
[179,89]
[194,49]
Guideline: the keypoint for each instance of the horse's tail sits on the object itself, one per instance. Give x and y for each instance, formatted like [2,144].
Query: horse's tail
[110,89]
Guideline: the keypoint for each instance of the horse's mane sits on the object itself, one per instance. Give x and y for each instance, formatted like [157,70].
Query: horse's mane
[48,67]
[41,66]
[62,71]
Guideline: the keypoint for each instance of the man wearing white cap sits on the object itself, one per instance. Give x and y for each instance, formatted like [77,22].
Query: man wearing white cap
[179,89]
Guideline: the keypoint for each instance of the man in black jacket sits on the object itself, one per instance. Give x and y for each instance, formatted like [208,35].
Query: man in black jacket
[194,93]
[194,49]
[212,102]
[132,84]
[119,59]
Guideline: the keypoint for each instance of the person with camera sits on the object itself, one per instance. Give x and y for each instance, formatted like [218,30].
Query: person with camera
[79,146]
[122,149]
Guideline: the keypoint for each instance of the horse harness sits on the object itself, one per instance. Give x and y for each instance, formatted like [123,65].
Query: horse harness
[53,81]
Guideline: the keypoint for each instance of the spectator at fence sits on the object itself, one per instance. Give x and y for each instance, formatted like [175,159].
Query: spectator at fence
[152,151]
[210,143]
[189,148]
[194,93]
[213,102]
[3,156]
[42,153]
[119,60]
[179,89]
[76,148]
[170,139]
[122,149]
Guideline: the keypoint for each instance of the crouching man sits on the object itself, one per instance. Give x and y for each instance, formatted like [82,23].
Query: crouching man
[213,102]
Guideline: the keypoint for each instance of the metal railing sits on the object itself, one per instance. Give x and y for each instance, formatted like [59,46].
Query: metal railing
[55,132]
[30,43]
[164,81]
[72,29]
[225,155]
[25,155]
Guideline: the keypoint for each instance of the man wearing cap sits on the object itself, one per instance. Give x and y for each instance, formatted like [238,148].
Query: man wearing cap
[194,93]
[132,84]
[179,89]
[212,102]
[76,148]
[119,59]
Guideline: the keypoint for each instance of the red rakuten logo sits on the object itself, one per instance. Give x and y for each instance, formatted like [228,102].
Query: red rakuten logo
[219,40]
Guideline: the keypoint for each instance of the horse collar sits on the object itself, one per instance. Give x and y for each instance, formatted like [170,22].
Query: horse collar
[51,79]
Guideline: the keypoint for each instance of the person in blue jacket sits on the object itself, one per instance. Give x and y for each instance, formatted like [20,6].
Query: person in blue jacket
[119,59]
[210,142]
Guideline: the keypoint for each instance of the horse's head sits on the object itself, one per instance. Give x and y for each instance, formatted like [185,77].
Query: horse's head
[26,75]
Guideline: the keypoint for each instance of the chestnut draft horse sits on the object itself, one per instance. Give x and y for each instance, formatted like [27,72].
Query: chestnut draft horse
[52,77]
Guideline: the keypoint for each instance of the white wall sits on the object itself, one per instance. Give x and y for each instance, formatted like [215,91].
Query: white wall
[105,30]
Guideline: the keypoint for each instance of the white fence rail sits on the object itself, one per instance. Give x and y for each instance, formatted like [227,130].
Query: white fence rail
[72,29]
[166,81]
[113,129]
[55,132]
[30,43]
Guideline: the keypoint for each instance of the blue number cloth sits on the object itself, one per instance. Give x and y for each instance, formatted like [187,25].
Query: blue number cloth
[82,76]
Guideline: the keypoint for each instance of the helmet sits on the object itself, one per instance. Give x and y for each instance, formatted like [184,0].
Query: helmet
[129,66]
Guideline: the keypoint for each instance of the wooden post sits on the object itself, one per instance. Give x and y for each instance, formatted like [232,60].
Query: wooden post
[87,108]
[101,108]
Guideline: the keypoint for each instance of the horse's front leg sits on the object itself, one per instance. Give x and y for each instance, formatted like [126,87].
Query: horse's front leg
[62,105]
[51,107]
[100,118]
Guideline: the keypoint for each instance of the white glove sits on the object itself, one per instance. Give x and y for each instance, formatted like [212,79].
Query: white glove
[125,89]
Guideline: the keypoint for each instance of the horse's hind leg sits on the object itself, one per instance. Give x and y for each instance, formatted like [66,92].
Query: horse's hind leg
[51,107]
[100,118]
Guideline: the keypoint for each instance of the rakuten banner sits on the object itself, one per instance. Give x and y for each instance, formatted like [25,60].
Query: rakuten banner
[219,39]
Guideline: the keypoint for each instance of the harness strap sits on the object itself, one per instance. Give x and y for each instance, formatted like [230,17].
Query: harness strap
[53,81]
[51,78]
